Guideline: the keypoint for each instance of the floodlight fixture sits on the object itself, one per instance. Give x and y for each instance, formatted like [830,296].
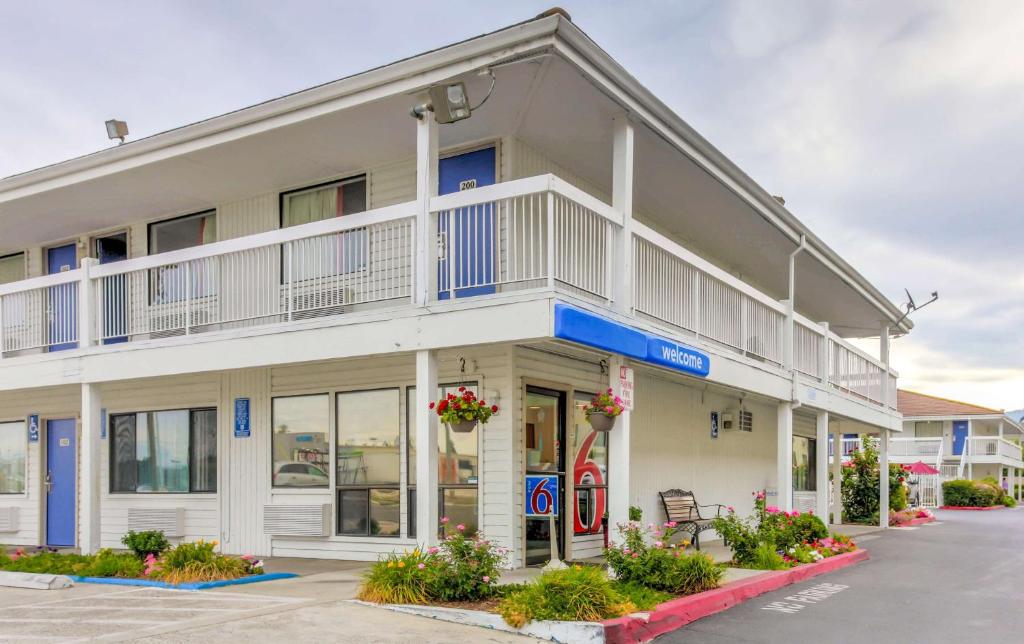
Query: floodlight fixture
[117,130]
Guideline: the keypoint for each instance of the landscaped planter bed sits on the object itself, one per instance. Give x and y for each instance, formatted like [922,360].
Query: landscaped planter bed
[914,522]
[972,508]
[199,585]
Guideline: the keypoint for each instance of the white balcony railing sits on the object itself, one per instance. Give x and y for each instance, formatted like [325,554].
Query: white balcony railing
[992,449]
[910,450]
[847,445]
[538,232]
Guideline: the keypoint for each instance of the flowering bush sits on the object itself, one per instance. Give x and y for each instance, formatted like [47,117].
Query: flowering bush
[465,406]
[148,542]
[460,568]
[860,485]
[198,561]
[767,528]
[648,557]
[607,404]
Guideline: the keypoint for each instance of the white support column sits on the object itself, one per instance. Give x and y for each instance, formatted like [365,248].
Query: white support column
[89,470]
[618,458]
[883,478]
[784,457]
[821,470]
[86,301]
[837,476]
[970,449]
[426,187]
[883,355]
[622,201]
[426,448]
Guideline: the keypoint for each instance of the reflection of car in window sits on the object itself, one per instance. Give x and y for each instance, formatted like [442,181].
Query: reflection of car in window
[298,474]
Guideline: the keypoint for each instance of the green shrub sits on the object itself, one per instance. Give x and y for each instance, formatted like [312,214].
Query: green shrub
[635,513]
[649,558]
[105,563]
[149,542]
[766,557]
[398,579]
[802,528]
[643,597]
[976,494]
[861,482]
[197,561]
[1009,501]
[579,593]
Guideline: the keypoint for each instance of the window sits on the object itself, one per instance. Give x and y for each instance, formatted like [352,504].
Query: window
[343,252]
[12,268]
[164,451]
[457,467]
[300,441]
[589,470]
[804,464]
[188,280]
[368,463]
[13,450]
[183,232]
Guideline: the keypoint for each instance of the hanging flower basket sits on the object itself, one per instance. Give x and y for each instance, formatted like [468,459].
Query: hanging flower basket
[463,411]
[463,426]
[602,423]
[604,410]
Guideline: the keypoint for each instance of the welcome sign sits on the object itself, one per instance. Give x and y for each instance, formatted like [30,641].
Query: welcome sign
[596,331]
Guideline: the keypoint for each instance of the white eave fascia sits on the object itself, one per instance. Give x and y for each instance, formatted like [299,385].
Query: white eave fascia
[408,76]
[995,416]
[622,87]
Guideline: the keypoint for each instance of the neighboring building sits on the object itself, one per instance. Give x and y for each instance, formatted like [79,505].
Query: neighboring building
[959,439]
[231,330]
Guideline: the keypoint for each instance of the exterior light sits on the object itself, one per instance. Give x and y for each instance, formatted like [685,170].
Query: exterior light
[117,130]
[450,102]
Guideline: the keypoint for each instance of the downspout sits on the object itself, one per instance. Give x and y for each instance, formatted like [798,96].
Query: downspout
[791,320]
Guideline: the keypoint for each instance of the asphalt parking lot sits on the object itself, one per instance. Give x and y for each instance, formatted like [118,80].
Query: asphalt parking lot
[956,580]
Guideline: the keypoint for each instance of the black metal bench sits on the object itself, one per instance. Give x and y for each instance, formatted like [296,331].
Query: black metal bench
[682,508]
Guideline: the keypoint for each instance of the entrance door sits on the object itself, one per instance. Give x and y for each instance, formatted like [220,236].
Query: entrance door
[110,249]
[959,436]
[468,266]
[63,309]
[60,480]
[544,442]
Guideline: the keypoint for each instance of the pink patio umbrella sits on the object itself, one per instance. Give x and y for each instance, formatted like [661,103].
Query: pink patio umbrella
[920,468]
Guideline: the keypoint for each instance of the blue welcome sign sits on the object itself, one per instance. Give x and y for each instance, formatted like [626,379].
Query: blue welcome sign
[242,421]
[593,330]
[541,495]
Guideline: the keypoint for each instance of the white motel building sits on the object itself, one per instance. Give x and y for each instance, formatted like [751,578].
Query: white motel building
[231,330]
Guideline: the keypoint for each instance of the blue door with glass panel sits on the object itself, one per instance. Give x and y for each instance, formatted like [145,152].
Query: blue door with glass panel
[959,436]
[63,309]
[468,266]
[60,483]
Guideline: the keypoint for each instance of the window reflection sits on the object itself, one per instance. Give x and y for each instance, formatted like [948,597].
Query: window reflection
[300,441]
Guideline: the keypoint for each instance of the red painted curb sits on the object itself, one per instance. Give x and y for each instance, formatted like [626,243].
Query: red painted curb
[972,508]
[680,612]
[913,522]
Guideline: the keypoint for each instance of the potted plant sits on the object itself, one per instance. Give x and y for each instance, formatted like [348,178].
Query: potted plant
[461,412]
[604,410]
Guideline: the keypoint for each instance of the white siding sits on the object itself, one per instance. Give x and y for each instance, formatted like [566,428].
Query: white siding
[56,403]
[671,447]
[530,162]
[391,184]
[247,216]
[202,519]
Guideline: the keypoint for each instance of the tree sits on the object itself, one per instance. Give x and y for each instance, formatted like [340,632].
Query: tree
[860,485]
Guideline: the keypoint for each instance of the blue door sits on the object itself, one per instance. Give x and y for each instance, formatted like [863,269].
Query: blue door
[469,265]
[61,457]
[114,248]
[63,298]
[959,436]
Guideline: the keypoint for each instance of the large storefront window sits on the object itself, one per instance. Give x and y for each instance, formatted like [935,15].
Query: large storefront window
[164,451]
[458,466]
[590,470]
[300,441]
[369,462]
[804,464]
[13,451]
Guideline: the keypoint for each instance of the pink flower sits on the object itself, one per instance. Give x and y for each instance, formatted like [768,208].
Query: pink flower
[486,579]
[433,550]
[245,557]
[460,527]
[650,526]
[772,509]
[670,524]
[635,555]
[421,566]
[731,509]
[444,519]
[658,544]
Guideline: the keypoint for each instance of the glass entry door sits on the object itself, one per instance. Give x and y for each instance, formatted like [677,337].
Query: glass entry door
[545,454]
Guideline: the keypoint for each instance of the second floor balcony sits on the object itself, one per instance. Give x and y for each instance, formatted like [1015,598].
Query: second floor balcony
[534,235]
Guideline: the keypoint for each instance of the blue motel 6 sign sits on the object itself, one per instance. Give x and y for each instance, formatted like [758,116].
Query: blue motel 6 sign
[541,495]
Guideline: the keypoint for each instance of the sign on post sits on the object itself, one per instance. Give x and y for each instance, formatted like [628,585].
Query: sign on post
[242,421]
[541,495]
[33,428]
[626,387]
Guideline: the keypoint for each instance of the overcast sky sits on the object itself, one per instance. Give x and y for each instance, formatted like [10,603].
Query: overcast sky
[895,130]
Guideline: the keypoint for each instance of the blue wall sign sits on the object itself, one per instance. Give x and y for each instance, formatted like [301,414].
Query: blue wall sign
[593,330]
[714,424]
[242,421]
[33,428]
[541,495]
[103,424]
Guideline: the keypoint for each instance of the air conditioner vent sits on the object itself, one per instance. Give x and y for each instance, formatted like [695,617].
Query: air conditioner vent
[297,520]
[170,521]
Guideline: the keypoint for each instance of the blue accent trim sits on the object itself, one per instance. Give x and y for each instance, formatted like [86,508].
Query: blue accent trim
[596,331]
[199,585]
